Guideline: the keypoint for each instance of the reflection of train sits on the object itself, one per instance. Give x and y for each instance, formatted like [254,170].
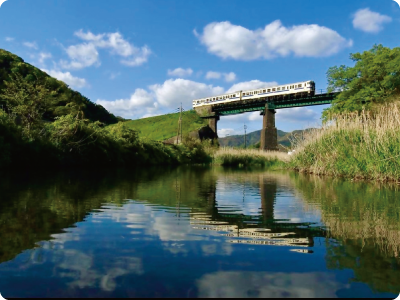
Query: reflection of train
[303,88]
[253,236]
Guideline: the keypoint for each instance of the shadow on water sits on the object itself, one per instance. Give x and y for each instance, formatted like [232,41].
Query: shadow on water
[358,223]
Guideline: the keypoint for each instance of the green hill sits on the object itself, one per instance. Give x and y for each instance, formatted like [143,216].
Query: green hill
[58,94]
[163,127]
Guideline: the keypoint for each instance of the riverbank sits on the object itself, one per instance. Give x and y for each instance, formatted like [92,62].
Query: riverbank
[250,157]
[356,146]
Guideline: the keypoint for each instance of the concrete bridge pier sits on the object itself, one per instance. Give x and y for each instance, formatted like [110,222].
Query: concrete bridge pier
[269,135]
[212,122]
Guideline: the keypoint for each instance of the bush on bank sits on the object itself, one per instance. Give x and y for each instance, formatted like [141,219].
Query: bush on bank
[246,157]
[73,141]
[364,146]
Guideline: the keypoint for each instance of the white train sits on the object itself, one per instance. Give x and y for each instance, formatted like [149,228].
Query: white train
[305,87]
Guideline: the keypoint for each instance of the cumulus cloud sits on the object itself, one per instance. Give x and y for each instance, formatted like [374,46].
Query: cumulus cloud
[43,56]
[249,85]
[82,56]
[140,102]
[213,75]
[31,45]
[297,114]
[174,91]
[67,77]
[236,42]
[369,21]
[86,54]
[228,77]
[180,72]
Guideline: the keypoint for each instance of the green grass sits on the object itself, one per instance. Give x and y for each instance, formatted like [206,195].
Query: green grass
[250,157]
[354,146]
[163,127]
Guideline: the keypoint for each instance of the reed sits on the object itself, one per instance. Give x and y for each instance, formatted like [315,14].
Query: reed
[359,146]
[244,157]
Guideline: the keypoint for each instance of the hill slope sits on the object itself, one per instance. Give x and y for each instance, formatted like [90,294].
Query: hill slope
[58,93]
[163,127]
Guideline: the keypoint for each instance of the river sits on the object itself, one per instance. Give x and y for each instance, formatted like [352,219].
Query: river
[197,232]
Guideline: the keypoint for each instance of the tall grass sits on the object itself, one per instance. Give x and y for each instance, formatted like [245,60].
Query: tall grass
[359,146]
[244,157]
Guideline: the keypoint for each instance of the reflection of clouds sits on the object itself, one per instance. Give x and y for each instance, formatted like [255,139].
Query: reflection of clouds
[267,285]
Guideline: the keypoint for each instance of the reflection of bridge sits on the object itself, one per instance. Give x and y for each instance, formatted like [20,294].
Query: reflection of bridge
[267,107]
[262,229]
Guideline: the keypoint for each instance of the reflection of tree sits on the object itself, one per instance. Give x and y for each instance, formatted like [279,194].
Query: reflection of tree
[35,206]
[365,220]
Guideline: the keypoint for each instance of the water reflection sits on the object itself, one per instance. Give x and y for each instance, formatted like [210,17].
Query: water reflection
[196,232]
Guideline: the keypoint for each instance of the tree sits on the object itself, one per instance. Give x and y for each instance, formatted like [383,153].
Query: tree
[27,102]
[374,79]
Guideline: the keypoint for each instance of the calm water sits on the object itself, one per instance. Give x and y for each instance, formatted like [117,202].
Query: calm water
[197,232]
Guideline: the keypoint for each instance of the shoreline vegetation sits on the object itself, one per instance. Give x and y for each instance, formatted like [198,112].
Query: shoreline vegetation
[45,124]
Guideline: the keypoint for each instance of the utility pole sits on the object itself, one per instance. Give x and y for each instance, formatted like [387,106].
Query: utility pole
[179,126]
[180,121]
[245,140]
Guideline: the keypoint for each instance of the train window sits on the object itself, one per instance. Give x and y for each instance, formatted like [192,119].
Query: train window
[300,85]
[269,90]
[264,91]
[278,89]
[273,89]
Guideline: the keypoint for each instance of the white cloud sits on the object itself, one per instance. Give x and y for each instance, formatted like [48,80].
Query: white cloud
[140,102]
[179,72]
[86,54]
[9,39]
[174,91]
[82,56]
[369,21]
[228,77]
[231,41]
[297,114]
[213,75]
[32,45]
[43,56]
[67,77]
[249,85]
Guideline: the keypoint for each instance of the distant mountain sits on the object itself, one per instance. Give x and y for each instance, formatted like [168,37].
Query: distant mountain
[253,139]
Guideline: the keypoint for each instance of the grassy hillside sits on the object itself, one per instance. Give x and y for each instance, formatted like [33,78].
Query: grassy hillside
[160,128]
[59,98]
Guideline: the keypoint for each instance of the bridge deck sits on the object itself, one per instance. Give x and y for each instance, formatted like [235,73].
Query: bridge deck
[277,102]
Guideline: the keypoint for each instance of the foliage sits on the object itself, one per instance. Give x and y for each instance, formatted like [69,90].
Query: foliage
[355,146]
[27,140]
[236,157]
[57,94]
[374,79]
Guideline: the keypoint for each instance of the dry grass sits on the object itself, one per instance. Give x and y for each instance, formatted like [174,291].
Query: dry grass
[354,145]
[236,157]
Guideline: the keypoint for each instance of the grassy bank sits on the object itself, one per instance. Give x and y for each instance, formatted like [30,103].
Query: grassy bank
[358,146]
[247,157]
[70,141]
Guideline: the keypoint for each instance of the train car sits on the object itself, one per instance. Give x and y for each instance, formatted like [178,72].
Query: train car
[305,87]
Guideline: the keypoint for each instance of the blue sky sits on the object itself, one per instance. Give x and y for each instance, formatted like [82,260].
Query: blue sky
[143,58]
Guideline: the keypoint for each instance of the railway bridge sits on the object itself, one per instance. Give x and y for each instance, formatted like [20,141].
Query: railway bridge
[267,107]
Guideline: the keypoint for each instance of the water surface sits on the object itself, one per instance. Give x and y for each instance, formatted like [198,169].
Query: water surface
[196,232]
